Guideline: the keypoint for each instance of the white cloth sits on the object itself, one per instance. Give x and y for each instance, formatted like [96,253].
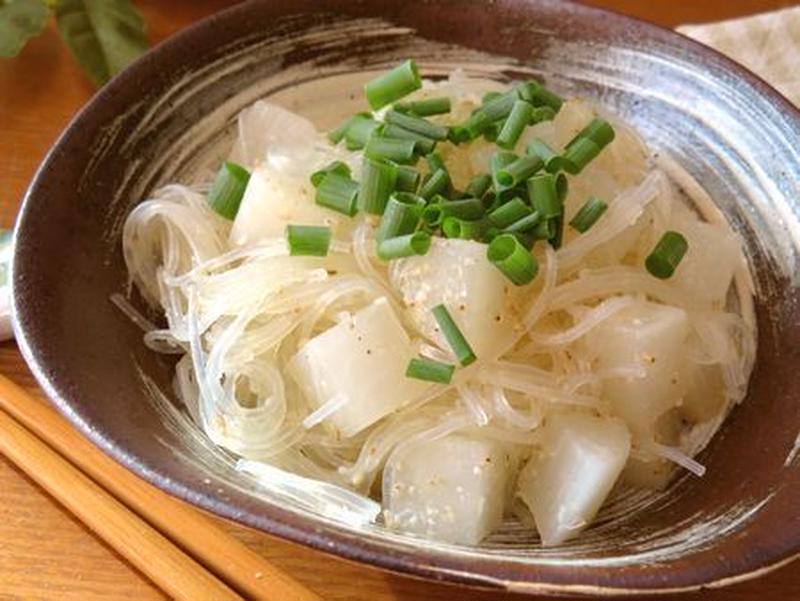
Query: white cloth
[768,44]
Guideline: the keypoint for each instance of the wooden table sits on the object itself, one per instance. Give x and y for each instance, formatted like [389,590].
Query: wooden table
[45,554]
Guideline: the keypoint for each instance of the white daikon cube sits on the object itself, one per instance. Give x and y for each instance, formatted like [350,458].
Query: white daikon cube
[707,269]
[457,274]
[565,484]
[705,396]
[274,200]
[651,336]
[361,361]
[451,489]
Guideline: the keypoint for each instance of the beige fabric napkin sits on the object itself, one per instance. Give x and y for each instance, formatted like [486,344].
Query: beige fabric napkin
[768,44]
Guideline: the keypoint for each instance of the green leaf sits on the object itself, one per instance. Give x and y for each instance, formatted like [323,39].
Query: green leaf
[20,20]
[103,35]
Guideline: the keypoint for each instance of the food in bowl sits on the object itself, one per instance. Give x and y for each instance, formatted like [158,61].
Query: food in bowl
[470,302]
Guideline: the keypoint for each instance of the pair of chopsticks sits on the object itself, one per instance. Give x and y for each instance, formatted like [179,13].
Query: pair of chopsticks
[184,553]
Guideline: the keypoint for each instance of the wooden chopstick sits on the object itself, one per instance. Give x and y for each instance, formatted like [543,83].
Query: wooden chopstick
[167,566]
[223,555]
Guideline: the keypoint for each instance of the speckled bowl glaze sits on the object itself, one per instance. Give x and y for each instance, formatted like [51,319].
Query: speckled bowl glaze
[170,116]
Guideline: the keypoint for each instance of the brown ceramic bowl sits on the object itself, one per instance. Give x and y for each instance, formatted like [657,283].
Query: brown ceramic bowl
[171,114]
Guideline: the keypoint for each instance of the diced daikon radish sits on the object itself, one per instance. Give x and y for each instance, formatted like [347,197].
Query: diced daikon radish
[705,396]
[646,470]
[707,269]
[450,489]
[565,484]
[457,274]
[274,200]
[650,336]
[359,366]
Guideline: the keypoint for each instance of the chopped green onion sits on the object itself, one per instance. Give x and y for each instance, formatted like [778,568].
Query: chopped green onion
[459,133]
[463,208]
[524,223]
[466,229]
[471,128]
[424,143]
[558,232]
[425,108]
[498,107]
[417,243]
[359,131]
[598,131]
[516,122]
[378,179]
[478,185]
[437,183]
[394,149]
[407,179]
[429,370]
[337,167]
[544,230]
[337,134]
[433,214]
[538,95]
[489,96]
[562,187]
[393,85]
[544,195]
[508,213]
[401,217]
[228,189]
[588,214]
[435,162]
[308,240]
[337,192]
[542,113]
[666,255]
[541,149]
[499,161]
[580,154]
[515,261]
[493,130]
[461,348]
[416,124]
[519,170]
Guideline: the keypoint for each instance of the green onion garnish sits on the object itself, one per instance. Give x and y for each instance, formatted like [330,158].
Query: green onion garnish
[588,214]
[478,185]
[417,243]
[509,212]
[544,195]
[437,183]
[425,108]
[337,167]
[424,143]
[517,121]
[541,149]
[401,217]
[463,208]
[461,348]
[337,192]
[598,131]
[337,134]
[524,224]
[308,240]
[228,189]
[359,131]
[416,124]
[394,149]
[544,230]
[558,232]
[499,161]
[489,96]
[432,214]
[580,154]
[430,370]
[499,107]
[538,95]
[542,113]
[435,161]
[471,128]
[491,131]
[562,187]
[666,255]
[520,170]
[378,179]
[466,229]
[515,261]
[393,85]
[407,179]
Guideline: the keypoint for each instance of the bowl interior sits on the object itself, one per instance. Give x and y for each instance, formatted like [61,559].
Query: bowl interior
[170,118]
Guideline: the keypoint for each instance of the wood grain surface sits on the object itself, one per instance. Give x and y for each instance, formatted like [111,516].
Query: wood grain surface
[45,553]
